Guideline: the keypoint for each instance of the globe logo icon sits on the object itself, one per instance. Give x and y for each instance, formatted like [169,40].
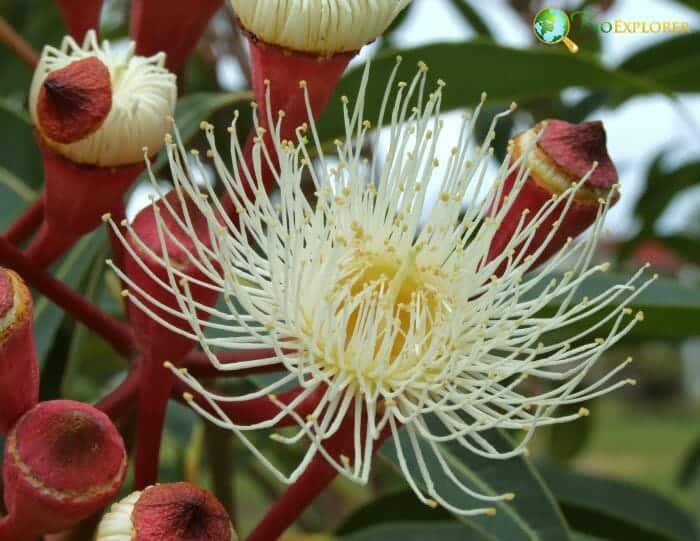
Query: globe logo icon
[552,26]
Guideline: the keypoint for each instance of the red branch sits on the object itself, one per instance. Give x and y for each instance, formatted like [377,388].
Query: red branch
[27,223]
[115,332]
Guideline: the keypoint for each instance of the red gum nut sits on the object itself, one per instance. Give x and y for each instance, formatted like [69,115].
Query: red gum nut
[64,461]
[19,383]
[180,512]
[571,149]
[172,26]
[80,16]
[74,101]
[164,343]
[285,69]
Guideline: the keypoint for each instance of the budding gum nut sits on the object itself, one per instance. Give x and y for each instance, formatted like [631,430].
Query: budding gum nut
[64,461]
[19,383]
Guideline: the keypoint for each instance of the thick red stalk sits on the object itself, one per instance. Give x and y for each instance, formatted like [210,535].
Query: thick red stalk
[27,223]
[317,476]
[19,384]
[172,26]
[80,16]
[284,70]
[76,198]
[112,331]
[155,384]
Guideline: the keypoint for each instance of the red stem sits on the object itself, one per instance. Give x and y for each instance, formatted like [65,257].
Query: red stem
[317,476]
[114,332]
[27,223]
[122,399]
[155,385]
[48,246]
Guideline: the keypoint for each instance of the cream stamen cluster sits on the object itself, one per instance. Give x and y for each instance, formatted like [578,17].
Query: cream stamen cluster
[404,326]
[144,93]
[322,27]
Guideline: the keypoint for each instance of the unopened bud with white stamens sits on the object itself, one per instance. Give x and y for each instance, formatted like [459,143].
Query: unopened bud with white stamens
[559,156]
[19,383]
[95,108]
[176,511]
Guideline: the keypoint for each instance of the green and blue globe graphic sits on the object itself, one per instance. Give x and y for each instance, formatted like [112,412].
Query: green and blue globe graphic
[551,25]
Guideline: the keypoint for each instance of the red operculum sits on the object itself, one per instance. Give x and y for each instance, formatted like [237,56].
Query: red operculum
[64,461]
[575,147]
[75,100]
[180,512]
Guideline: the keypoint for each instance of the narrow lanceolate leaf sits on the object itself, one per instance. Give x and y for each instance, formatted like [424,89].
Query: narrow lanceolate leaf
[521,74]
[72,271]
[532,515]
[616,510]
[671,310]
[416,531]
[673,63]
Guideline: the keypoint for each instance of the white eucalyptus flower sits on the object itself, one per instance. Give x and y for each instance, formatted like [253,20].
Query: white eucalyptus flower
[399,324]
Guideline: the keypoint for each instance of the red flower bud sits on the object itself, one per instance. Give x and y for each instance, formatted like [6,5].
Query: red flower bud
[177,512]
[80,16]
[563,155]
[147,256]
[64,461]
[19,380]
[171,26]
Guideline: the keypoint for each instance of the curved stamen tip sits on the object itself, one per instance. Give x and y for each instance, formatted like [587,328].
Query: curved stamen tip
[125,293]
[510,496]
[188,397]
[632,382]
[639,316]
[106,217]
[168,365]
[431,503]
[490,512]
[584,412]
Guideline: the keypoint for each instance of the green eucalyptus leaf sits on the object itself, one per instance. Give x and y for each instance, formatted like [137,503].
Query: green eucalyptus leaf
[416,531]
[617,510]
[532,515]
[521,74]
